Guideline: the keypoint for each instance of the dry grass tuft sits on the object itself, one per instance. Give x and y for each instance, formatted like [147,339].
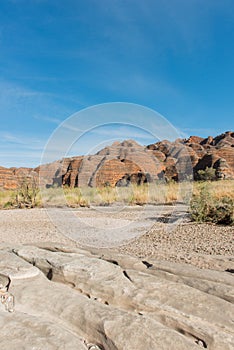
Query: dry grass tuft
[158,193]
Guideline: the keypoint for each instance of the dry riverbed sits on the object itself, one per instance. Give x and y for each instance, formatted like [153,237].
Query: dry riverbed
[150,297]
[150,233]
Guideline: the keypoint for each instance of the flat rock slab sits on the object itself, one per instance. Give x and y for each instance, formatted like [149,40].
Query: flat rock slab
[69,298]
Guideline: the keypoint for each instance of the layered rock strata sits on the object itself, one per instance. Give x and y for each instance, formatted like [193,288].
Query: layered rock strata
[128,162]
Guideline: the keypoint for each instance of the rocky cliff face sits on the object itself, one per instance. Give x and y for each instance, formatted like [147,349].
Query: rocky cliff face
[125,162]
[11,178]
[217,153]
[114,165]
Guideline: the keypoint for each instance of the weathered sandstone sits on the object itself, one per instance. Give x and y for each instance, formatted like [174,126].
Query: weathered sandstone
[74,299]
[127,161]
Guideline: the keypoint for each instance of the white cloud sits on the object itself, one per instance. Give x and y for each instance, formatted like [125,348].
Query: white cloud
[200,131]
[17,139]
[123,132]
[20,158]
[9,90]
[48,119]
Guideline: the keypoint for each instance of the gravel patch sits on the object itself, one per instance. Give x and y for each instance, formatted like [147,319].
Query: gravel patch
[203,245]
[197,244]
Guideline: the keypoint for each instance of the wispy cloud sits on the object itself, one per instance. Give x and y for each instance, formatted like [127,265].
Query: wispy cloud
[200,131]
[20,150]
[123,132]
[8,137]
[9,89]
[48,119]
[19,158]
[155,26]
[72,128]
[139,84]
[15,94]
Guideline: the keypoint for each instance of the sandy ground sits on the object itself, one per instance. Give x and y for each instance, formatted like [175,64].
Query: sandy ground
[152,233]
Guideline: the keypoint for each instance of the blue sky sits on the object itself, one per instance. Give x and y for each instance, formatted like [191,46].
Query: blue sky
[59,57]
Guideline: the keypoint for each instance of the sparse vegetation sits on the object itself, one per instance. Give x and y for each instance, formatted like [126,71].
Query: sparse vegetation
[7,198]
[211,201]
[25,196]
[209,174]
[27,192]
[206,206]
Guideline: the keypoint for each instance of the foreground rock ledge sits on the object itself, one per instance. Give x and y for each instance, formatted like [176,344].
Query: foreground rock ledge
[70,298]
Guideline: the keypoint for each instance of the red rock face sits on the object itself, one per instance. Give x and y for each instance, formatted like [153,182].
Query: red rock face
[217,152]
[128,161]
[12,178]
[114,170]
[71,171]
[50,174]
[112,164]
[7,179]
[194,139]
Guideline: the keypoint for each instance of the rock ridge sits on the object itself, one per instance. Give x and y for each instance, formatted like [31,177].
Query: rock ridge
[128,162]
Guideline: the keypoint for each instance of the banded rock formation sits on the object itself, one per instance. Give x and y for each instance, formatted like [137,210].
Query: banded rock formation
[11,178]
[217,153]
[119,162]
[127,161]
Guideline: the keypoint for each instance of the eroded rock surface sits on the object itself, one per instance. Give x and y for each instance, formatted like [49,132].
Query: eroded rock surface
[217,153]
[11,178]
[73,299]
[127,161]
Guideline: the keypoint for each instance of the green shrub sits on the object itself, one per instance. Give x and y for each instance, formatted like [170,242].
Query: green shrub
[206,208]
[9,205]
[206,175]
